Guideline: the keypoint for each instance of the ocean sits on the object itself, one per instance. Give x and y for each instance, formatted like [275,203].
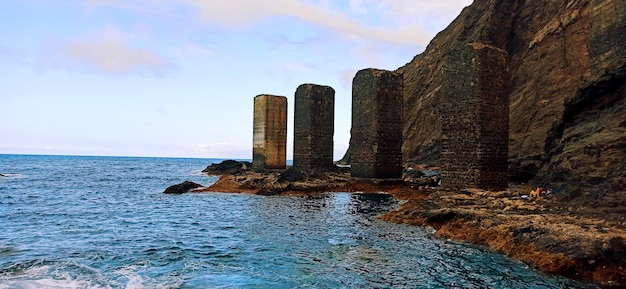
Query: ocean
[103,222]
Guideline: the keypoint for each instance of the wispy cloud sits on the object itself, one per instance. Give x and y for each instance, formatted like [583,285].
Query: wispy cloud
[240,13]
[326,14]
[401,23]
[109,53]
[11,55]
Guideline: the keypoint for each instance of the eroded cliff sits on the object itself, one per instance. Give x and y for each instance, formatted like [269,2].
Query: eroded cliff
[562,55]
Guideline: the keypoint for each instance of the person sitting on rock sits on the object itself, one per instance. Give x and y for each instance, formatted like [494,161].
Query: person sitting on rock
[535,193]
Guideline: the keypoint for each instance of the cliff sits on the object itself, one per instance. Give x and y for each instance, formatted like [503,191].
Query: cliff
[566,89]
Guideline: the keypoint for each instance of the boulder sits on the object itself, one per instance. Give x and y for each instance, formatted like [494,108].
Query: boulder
[181,188]
[228,167]
[291,175]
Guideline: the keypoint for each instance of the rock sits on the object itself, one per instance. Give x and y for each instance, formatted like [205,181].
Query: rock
[291,175]
[182,188]
[567,110]
[228,167]
[417,178]
[524,29]
[584,152]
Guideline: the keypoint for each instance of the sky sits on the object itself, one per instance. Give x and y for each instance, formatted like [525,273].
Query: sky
[177,78]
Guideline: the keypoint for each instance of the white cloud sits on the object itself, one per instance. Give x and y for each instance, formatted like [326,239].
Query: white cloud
[110,53]
[244,12]
[398,22]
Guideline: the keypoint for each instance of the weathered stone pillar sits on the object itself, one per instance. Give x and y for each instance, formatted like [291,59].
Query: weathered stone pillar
[270,132]
[314,127]
[608,35]
[475,117]
[376,139]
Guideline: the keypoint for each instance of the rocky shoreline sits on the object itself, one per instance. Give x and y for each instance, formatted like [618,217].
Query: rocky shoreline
[582,243]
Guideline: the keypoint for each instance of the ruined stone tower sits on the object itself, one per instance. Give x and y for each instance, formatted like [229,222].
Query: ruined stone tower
[376,139]
[475,117]
[314,126]
[270,132]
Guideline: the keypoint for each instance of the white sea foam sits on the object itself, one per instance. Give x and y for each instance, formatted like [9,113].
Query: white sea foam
[11,176]
[136,281]
[46,277]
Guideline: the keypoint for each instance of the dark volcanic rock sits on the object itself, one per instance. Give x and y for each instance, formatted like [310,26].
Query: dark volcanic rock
[228,167]
[547,43]
[585,150]
[565,59]
[291,175]
[182,188]
[421,178]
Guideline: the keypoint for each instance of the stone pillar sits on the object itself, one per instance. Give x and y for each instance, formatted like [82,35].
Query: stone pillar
[314,126]
[376,139]
[475,117]
[269,150]
[608,35]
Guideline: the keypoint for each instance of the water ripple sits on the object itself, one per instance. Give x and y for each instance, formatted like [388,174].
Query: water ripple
[92,222]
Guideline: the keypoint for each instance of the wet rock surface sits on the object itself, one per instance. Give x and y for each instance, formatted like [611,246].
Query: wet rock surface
[181,188]
[228,167]
[541,231]
[578,242]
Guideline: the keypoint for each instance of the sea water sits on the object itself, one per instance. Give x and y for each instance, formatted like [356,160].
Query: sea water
[104,222]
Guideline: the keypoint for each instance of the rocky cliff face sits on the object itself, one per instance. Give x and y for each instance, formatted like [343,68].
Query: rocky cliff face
[566,89]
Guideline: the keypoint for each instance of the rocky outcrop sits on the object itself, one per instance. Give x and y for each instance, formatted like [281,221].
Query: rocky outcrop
[540,231]
[558,51]
[232,167]
[182,188]
[285,182]
[585,150]
[547,42]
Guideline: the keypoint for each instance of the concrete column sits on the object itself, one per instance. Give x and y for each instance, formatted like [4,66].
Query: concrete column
[314,126]
[475,117]
[270,132]
[376,139]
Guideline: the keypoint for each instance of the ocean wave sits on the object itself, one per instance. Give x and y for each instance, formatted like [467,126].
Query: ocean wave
[6,250]
[42,274]
[4,176]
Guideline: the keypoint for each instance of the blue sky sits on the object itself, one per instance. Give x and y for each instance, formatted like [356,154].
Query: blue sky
[177,78]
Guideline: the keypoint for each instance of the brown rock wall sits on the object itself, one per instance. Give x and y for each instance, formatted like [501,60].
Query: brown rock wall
[556,49]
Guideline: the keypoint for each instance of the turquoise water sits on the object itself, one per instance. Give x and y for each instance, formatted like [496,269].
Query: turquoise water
[103,222]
